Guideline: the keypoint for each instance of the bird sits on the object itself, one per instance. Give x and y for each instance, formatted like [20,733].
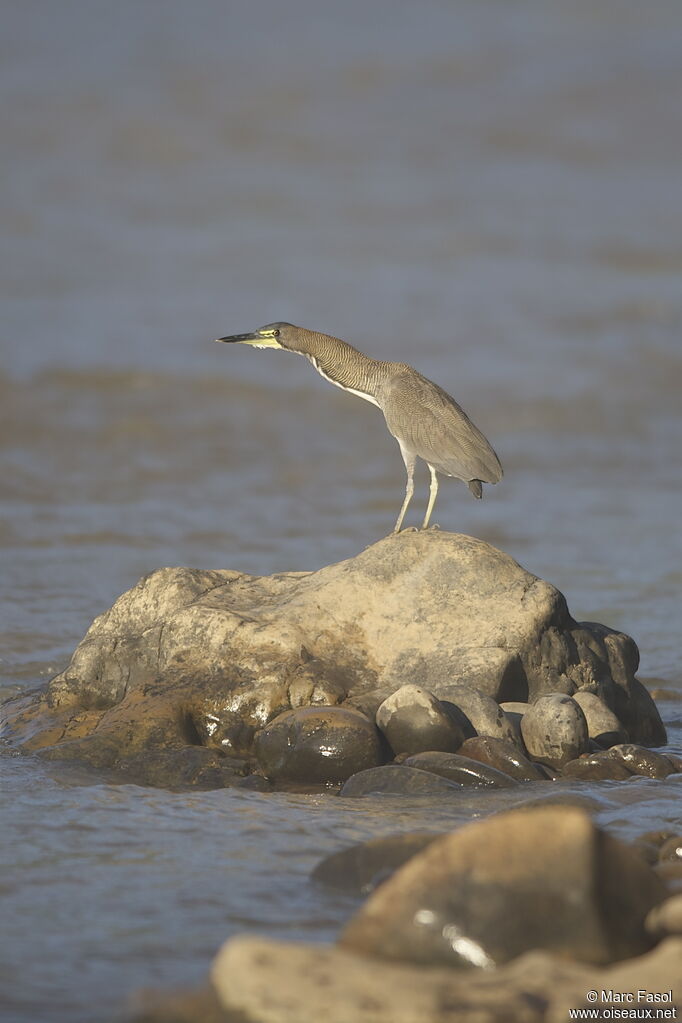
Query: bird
[424,419]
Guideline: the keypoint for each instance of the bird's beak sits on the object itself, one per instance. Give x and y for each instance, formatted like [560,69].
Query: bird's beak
[258,339]
[241,339]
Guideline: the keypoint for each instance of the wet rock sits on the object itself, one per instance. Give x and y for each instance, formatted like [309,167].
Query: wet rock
[362,867]
[462,770]
[191,657]
[671,849]
[412,720]
[676,762]
[477,713]
[393,779]
[606,766]
[191,767]
[645,762]
[541,878]
[554,730]
[602,724]
[317,745]
[503,756]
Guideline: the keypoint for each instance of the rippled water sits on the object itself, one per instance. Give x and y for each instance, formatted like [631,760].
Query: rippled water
[488,191]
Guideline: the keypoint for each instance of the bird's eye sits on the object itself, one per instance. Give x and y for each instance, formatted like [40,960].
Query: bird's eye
[275,333]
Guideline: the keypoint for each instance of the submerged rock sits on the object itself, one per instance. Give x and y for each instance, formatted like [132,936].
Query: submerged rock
[210,658]
[645,762]
[605,766]
[462,770]
[525,879]
[317,745]
[362,867]
[396,780]
[503,756]
[413,720]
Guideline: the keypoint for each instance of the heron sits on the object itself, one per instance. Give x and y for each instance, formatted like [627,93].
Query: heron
[423,418]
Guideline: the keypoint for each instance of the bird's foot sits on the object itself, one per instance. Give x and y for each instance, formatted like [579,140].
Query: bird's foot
[434,526]
[407,529]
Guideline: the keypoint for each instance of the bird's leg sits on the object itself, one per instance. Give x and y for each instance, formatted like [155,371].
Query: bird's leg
[409,461]
[433,490]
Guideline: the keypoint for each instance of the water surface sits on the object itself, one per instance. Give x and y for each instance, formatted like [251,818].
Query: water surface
[488,191]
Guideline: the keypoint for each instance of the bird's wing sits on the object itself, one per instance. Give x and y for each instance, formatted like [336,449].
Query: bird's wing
[429,423]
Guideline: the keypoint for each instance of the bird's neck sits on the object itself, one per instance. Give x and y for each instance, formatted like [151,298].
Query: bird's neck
[346,367]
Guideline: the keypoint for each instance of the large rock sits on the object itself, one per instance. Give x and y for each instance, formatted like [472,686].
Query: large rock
[525,879]
[265,981]
[191,657]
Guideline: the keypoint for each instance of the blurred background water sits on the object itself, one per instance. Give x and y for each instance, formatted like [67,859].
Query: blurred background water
[489,191]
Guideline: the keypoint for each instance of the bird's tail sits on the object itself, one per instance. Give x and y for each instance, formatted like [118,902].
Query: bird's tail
[476,488]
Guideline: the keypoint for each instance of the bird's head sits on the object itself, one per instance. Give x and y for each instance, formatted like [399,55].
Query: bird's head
[273,335]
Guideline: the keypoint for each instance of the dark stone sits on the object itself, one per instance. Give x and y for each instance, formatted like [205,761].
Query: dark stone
[645,762]
[676,762]
[460,769]
[639,714]
[526,879]
[503,756]
[597,767]
[361,868]
[400,781]
[192,767]
[412,720]
[317,745]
